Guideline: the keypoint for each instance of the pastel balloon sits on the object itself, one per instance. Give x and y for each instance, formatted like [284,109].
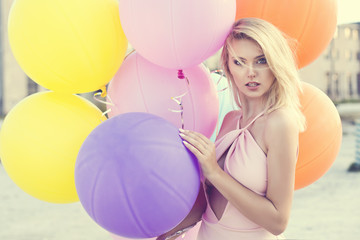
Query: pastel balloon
[320,143]
[67,46]
[311,22]
[177,34]
[135,177]
[141,86]
[40,139]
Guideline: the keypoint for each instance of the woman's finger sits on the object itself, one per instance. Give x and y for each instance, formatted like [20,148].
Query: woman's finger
[195,135]
[193,149]
[193,142]
[202,137]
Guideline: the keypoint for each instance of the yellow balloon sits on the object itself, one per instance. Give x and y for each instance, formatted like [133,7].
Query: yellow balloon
[71,46]
[39,142]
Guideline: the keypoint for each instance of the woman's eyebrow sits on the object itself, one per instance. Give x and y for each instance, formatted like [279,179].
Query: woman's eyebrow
[244,59]
[260,56]
[240,58]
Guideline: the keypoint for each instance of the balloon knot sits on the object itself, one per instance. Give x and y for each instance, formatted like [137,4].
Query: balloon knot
[181,74]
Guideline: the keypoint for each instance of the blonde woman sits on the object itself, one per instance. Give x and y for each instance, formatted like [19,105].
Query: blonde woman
[250,170]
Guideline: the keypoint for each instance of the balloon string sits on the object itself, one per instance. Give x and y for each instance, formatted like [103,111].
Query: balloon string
[102,93]
[221,73]
[178,100]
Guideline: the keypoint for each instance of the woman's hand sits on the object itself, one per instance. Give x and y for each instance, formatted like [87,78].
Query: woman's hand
[202,148]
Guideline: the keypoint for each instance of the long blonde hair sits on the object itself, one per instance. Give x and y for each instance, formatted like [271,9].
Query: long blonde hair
[280,58]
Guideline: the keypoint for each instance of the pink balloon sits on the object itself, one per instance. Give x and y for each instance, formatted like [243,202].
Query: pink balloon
[141,86]
[177,34]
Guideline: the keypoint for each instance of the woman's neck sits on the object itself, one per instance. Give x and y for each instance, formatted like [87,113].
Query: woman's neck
[251,108]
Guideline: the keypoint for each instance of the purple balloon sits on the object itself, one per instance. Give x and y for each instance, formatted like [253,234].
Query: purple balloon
[134,176]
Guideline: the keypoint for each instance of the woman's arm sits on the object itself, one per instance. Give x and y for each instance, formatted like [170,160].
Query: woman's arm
[271,211]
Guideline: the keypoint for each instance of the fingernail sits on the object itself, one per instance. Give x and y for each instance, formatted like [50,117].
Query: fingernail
[181,135]
[181,130]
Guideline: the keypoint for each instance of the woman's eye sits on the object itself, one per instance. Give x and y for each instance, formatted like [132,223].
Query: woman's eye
[261,61]
[236,62]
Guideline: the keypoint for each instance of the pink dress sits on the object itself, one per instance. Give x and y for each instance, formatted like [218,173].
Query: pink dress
[246,162]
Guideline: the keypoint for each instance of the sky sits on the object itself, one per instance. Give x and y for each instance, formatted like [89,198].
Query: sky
[348,11]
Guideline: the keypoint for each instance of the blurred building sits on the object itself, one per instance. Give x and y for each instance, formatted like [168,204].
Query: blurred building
[14,84]
[336,71]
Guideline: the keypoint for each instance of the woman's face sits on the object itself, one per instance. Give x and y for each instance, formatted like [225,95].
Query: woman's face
[249,68]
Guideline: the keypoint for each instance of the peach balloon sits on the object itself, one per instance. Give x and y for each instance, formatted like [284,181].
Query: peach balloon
[320,143]
[311,22]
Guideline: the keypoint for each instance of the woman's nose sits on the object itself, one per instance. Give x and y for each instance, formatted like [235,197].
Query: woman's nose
[251,72]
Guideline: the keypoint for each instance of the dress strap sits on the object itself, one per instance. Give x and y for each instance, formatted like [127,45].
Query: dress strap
[252,121]
[227,140]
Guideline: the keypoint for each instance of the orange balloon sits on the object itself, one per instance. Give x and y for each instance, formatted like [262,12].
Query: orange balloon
[311,22]
[320,143]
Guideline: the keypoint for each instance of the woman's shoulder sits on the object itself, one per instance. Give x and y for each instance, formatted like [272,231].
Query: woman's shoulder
[281,136]
[280,121]
[281,117]
[230,122]
[234,112]
[232,117]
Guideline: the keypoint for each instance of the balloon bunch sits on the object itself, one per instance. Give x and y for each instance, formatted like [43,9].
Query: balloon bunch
[133,175]
[165,75]
[67,50]
[131,172]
